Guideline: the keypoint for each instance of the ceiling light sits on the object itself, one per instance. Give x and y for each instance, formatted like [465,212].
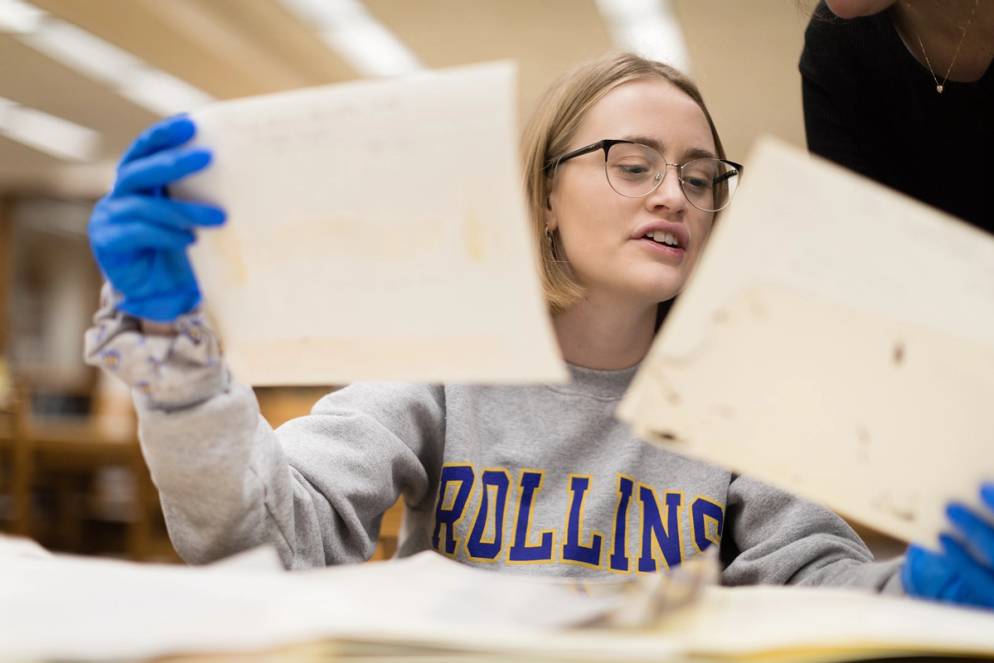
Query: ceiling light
[18,16]
[155,90]
[355,35]
[647,27]
[162,93]
[53,135]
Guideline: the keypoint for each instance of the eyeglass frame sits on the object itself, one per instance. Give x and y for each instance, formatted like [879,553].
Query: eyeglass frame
[607,143]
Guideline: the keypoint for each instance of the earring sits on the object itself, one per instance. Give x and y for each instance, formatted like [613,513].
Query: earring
[551,239]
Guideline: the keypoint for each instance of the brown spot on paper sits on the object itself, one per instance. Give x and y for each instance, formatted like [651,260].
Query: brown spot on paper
[863,438]
[475,241]
[724,411]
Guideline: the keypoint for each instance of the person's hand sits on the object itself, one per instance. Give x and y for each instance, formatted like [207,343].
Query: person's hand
[963,572]
[139,236]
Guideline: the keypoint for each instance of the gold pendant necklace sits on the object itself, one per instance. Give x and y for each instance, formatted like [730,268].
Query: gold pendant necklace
[939,87]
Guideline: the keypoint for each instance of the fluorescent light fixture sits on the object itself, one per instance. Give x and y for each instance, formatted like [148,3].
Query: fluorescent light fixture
[353,33]
[95,58]
[18,16]
[87,54]
[162,93]
[53,135]
[647,27]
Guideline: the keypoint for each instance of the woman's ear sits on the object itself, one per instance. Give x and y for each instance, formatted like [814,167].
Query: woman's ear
[549,213]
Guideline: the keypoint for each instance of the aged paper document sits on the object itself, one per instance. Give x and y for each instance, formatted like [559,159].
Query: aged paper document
[377,230]
[65,608]
[836,340]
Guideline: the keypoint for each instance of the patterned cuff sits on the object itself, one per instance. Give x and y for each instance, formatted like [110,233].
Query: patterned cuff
[172,371]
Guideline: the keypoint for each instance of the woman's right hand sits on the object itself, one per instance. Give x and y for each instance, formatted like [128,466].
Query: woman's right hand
[139,235]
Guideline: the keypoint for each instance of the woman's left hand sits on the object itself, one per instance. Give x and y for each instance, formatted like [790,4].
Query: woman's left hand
[963,572]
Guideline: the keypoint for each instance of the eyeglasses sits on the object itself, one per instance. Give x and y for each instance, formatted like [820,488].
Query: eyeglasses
[635,170]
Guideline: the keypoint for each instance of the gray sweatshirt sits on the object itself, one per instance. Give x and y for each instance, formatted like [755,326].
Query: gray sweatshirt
[527,479]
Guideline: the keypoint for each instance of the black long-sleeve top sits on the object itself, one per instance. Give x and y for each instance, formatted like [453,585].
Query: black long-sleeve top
[871,106]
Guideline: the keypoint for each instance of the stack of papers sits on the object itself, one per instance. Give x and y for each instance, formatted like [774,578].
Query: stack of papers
[88,610]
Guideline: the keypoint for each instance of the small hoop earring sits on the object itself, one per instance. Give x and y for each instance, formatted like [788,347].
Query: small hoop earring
[550,237]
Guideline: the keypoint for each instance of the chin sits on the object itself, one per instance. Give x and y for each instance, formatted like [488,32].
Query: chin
[857,8]
[656,292]
[659,286]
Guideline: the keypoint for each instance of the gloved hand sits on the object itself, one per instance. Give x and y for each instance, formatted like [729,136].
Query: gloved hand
[963,572]
[139,235]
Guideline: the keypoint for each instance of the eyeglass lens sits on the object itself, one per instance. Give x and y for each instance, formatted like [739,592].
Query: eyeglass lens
[635,170]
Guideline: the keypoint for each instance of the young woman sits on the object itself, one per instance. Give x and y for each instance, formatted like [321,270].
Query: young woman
[625,174]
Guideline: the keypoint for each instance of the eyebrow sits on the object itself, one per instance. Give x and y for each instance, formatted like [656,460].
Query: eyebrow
[692,153]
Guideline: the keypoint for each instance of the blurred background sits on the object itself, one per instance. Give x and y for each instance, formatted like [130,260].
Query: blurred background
[80,78]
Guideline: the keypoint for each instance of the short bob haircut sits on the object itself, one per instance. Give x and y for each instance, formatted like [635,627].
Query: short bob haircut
[551,128]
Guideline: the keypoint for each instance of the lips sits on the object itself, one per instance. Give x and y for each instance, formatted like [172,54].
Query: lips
[664,233]
[662,249]
[660,237]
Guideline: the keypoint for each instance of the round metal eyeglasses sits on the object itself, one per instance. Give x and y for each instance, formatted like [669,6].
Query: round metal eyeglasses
[635,170]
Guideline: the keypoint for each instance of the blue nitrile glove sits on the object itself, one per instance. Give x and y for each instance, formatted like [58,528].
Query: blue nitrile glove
[963,572]
[139,235]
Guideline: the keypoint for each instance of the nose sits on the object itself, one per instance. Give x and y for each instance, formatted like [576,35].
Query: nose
[668,194]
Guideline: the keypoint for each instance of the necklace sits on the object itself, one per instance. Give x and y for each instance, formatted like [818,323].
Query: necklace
[939,87]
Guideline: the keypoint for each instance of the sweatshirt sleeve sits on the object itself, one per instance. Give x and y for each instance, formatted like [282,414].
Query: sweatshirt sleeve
[777,538]
[316,488]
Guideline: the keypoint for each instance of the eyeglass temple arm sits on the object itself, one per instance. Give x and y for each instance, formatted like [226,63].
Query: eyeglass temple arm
[600,145]
[730,174]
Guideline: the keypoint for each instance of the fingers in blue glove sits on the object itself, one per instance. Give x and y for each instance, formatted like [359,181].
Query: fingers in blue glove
[171,132]
[987,496]
[160,169]
[174,214]
[128,236]
[978,533]
[929,575]
[978,580]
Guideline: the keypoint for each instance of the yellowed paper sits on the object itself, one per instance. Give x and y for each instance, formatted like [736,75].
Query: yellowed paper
[837,340]
[96,610]
[377,230]
[763,623]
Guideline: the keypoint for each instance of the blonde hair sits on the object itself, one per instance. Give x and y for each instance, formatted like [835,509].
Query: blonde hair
[551,128]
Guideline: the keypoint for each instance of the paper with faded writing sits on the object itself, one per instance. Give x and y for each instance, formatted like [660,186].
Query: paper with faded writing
[836,340]
[377,230]
[65,608]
